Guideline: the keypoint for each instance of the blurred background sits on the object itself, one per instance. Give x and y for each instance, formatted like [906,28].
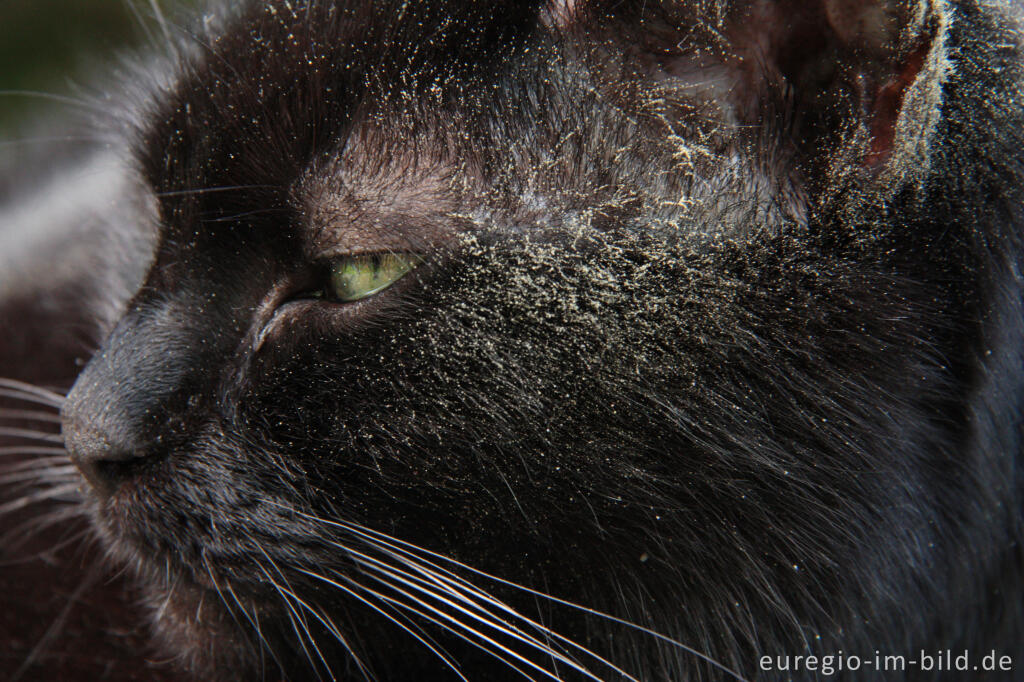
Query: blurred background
[54,623]
[53,46]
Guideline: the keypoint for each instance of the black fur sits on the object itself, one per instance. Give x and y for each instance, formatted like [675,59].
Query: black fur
[735,358]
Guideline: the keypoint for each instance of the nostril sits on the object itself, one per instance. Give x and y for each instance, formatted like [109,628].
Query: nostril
[103,461]
[108,474]
[105,475]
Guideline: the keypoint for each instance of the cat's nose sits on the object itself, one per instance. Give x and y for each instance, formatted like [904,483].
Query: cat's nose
[141,395]
[117,412]
[104,459]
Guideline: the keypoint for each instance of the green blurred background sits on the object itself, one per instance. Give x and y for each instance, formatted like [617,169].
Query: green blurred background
[50,45]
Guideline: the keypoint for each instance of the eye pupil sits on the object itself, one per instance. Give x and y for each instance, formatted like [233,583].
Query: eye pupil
[357,277]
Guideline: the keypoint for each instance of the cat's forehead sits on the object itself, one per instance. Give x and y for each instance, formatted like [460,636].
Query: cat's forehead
[285,83]
[375,192]
[351,120]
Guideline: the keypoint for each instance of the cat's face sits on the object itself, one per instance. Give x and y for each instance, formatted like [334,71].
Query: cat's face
[549,291]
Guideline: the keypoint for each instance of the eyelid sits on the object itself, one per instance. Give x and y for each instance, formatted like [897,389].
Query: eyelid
[329,258]
[331,253]
[291,307]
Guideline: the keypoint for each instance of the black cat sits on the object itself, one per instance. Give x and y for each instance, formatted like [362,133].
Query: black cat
[596,340]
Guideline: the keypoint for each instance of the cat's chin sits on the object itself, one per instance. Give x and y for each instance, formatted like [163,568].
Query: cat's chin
[192,628]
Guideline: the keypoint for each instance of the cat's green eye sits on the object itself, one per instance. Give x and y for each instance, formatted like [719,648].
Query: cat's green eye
[357,277]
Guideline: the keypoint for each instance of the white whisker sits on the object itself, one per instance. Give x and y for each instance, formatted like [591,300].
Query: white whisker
[16,536]
[48,494]
[30,415]
[47,554]
[29,434]
[455,622]
[51,397]
[301,633]
[461,588]
[412,549]
[42,474]
[24,396]
[489,620]
[480,614]
[286,593]
[211,190]
[20,450]
[253,621]
[422,614]
[161,20]
[53,97]
[421,637]
[218,590]
[41,462]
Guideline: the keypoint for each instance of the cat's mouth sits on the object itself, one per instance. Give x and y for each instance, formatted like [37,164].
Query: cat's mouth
[165,543]
[196,605]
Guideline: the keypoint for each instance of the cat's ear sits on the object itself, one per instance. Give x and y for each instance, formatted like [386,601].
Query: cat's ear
[839,65]
[848,64]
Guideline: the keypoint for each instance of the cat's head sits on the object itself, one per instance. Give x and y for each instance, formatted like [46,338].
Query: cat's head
[606,299]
